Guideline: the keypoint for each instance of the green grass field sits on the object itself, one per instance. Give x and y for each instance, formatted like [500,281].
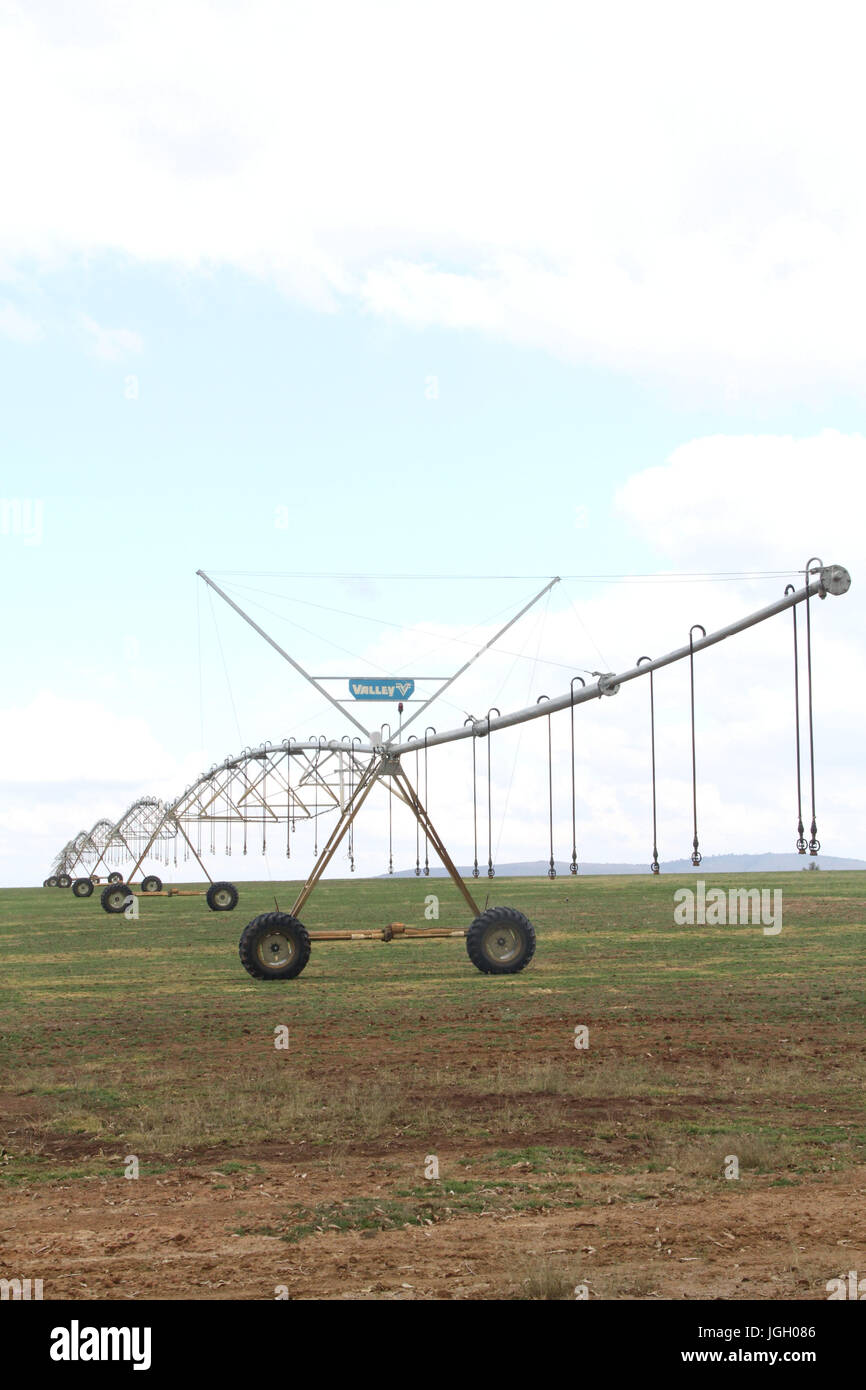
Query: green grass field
[148,1038]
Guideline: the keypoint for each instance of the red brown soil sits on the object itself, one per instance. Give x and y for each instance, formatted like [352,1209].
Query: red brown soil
[171,1237]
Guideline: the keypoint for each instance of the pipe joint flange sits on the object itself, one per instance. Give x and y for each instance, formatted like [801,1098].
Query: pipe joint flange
[835,579]
[606,683]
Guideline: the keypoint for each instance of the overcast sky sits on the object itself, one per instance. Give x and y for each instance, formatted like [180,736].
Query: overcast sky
[470,290]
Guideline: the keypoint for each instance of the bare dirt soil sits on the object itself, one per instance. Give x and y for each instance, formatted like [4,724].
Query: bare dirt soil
[429,1132]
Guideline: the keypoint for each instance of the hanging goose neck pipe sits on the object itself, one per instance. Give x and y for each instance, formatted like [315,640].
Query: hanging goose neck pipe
[832,579]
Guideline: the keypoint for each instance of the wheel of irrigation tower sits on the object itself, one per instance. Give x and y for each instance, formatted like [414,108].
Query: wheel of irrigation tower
[115,878]
[501,941]
[222,897]
[82,887]
[151,884]
[274,946]
[52,882]
[64,881]
[114,897]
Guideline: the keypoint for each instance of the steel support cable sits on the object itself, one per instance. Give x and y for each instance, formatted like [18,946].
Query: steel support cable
[350,854]
[834,579]
[356,789]
[379,622]
[465,640]
[801,839]
[390,831]
[314,804]
[355,656]
[551,869]
[200,674]
[696,854]
[428,730]
[413,738]
[654,866]
[573,865]
[225,667]
[589,578]
[289,801]
[349,840]
[264,808]
[426,841]
[574,609]
[470,720]
[503,683]
[491,872]
[814,842]
[310,632]
[542,623]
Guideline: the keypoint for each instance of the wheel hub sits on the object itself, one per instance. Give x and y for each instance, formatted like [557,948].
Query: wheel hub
[502,943]
[275,950]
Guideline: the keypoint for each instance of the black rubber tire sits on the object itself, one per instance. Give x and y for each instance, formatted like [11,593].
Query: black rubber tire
[114,897]
[45,883]
[222,897]
[64,881]
[82,887]
[503,953]
[254,951]
[52,881]
[151,884]
[115,878]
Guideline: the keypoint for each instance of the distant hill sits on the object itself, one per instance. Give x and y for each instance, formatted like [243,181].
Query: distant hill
[711,864]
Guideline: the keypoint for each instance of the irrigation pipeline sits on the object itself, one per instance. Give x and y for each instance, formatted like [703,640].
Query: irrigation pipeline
[832,579]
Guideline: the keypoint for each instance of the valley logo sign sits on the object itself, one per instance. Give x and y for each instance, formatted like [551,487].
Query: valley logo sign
[382,689]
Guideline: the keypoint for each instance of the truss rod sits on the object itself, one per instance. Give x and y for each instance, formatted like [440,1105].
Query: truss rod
[347,815]
[481,650]
[277,648]
[423,818]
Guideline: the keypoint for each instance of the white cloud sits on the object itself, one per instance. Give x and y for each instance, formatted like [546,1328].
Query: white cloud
[643,187]
[64,764]
[53,741]
[21,328]
[110,344]
[757,501]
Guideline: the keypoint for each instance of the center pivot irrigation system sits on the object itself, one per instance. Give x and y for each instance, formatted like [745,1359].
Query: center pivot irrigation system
[264,792]
[500,940]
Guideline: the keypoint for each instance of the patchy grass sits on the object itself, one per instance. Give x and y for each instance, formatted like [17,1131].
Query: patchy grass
[545,1279]
[147,1037]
